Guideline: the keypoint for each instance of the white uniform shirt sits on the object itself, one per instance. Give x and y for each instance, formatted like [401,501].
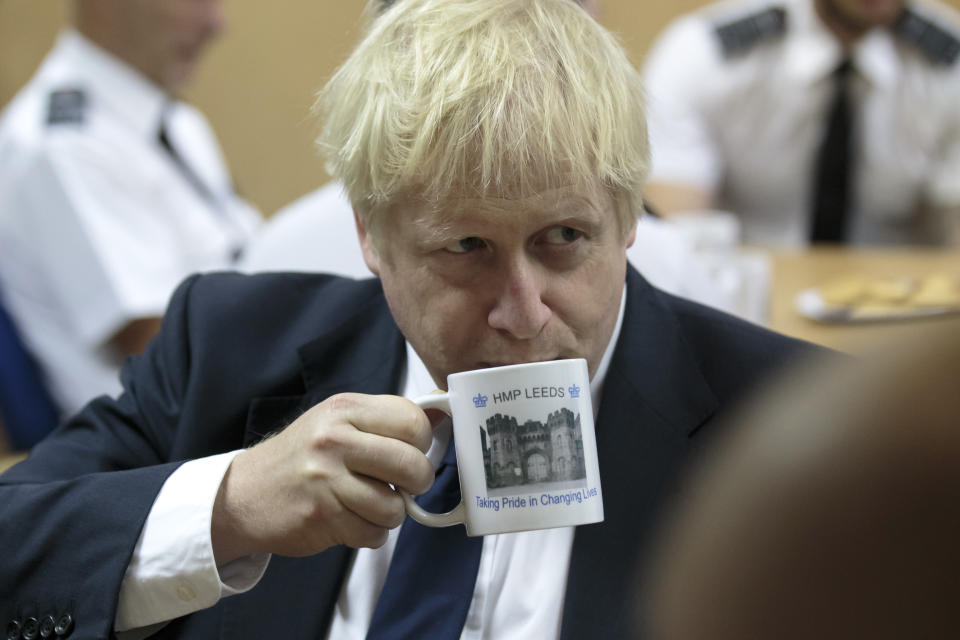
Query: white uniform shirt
[313,233]
[747,126]
[521,582]
[97,223]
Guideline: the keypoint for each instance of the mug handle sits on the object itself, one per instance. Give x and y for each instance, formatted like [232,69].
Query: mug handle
[439,401]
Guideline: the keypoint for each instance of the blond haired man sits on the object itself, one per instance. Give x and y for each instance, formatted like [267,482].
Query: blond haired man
[493,151]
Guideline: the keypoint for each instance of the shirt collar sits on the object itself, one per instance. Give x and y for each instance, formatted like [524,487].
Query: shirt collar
[812,53]
[875,58]
[119,89]
[417,381]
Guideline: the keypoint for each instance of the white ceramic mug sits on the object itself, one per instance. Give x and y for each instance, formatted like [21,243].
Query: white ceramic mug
[526,449]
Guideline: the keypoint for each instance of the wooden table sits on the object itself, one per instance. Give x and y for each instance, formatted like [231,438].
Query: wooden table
[794,271]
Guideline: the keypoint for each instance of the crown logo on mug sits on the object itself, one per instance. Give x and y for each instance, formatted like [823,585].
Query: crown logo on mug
[574,391]
[480,401]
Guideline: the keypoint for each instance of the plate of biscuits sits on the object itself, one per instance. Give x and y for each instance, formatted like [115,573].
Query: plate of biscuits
[856,298]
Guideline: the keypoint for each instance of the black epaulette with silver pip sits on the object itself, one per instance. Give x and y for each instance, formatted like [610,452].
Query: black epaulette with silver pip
[937,44]
[740,35]
[67,106]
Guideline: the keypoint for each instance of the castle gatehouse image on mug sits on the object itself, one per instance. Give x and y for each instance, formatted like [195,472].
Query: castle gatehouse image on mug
[526,448]
[533,452]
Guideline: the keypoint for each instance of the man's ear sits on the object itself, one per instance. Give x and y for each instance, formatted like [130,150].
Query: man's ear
[366,245]
[632,234]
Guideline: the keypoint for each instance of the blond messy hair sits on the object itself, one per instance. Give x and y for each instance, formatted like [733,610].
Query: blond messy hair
[449,99]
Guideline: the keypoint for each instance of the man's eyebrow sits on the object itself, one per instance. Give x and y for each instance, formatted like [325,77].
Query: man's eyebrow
[433,231]
[437,225]
[579,206]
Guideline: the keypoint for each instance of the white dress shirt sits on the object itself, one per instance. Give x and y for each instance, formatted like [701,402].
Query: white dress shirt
[520,586]
[313,233]
[97,223]
[747,126]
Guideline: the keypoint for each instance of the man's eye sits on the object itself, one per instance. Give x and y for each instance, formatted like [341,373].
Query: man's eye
[465,245]
[562,235]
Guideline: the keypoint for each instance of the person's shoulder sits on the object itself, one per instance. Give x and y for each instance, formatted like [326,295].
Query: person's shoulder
[327,200]
[53,100]
[723,342]
[314,233]
[41,129]
[731,28]
[740,28]
[932,29]
[230,291]
[731,356]
[720,339]
[36,107]
[236,317]
[52,120]
[720,48]
[298,303]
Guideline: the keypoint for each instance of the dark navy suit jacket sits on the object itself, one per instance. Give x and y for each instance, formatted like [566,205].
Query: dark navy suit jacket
[241,356]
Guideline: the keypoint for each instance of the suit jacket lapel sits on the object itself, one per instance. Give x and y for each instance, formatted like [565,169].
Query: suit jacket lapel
[364,354]
[654,397]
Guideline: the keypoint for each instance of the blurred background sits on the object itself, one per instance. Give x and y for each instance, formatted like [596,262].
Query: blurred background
[256,84]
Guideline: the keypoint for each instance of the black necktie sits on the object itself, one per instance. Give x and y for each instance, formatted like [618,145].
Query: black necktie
[163,137]
[832,172]
[432,575]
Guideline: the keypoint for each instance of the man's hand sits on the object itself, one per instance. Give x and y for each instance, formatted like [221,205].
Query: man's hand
[323,480]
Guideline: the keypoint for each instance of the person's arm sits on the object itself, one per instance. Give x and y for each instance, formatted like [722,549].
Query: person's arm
[172,571]
[79,503]
[133,338]
[196,545]
[114,258]
[75,508]
[685,163]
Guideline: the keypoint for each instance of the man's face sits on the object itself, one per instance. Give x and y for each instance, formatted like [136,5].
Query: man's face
[481,284]
[166,38]
[861,15]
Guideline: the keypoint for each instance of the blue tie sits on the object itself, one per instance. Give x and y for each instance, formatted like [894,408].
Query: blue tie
[432,574]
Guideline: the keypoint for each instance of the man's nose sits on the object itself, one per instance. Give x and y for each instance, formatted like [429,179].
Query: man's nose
[519,309]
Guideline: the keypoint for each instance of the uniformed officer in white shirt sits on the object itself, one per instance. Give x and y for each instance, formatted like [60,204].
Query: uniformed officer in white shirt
[739,94]
[111,190]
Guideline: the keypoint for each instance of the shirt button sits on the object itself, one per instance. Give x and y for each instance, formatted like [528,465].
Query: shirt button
[185,592]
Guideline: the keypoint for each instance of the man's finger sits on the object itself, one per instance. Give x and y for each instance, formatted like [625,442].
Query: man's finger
[391,461]
[384,415]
